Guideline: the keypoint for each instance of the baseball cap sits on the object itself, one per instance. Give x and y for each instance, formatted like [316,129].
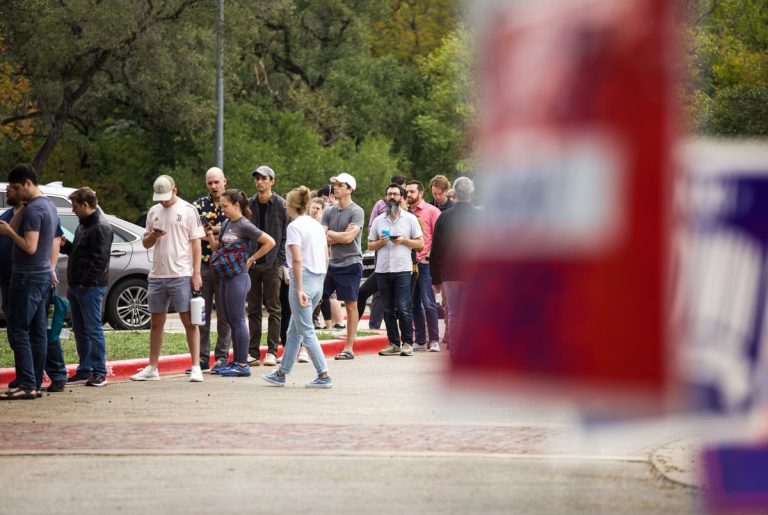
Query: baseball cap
[264,171]
[163,188]
[345,178]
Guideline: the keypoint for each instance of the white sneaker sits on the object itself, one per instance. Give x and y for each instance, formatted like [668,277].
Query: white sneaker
[419,347]
[270,360]
[148,373]
[196,375]
[434,347]
[252,361]
[303,356]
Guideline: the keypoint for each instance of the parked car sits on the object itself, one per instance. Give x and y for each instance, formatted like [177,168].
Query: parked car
[126,299]
[55,191]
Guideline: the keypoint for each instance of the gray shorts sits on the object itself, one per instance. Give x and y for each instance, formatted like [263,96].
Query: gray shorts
[164,290]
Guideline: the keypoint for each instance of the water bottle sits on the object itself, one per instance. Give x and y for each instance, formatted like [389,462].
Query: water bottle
[197,309]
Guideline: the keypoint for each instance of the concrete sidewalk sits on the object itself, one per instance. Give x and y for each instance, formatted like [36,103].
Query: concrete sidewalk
[391,436]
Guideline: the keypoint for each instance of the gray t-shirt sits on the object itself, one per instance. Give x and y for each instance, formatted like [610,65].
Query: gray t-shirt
[242,231]
[338,220]
[39,216]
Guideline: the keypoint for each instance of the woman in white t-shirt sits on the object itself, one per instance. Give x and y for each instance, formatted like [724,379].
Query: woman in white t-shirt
[306,252]
[233,291]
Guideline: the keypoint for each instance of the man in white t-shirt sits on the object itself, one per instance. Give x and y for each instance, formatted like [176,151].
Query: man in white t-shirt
[174,230]
[393,235]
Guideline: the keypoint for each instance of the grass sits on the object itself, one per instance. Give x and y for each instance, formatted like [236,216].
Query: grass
[132,344]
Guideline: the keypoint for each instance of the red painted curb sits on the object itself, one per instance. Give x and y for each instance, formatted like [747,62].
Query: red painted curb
[178,363]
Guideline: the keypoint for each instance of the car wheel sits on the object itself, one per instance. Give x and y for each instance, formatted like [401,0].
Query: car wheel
[127,305]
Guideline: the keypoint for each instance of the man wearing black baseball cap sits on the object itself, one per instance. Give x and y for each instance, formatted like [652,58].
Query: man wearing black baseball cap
[268,214]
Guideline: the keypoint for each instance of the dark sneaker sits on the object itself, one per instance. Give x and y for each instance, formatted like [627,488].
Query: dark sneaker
[77,378]
[275,378]
[235,370]
[96,380]
[220,365]
[56,386]
[320,382]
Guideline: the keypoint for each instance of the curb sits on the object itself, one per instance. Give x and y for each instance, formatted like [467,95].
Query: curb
[178,363]
[680,462]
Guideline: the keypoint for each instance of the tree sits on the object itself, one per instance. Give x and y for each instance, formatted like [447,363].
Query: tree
[78,53]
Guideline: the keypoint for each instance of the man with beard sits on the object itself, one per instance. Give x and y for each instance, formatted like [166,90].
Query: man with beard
[393,235]
[209,208]
[32,276]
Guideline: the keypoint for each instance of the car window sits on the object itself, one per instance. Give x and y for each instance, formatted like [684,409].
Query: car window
[59,201]
[69,225]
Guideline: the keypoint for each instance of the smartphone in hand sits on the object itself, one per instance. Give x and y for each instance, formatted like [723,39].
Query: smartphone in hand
[206,223]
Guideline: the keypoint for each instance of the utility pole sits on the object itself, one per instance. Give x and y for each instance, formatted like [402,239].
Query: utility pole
[219,151]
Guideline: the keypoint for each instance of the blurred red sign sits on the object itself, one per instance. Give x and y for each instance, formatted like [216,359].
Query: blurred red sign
[570,254]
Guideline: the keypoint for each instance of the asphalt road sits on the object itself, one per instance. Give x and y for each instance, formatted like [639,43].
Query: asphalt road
[390,437]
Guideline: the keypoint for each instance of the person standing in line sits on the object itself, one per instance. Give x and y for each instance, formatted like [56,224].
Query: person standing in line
[209,208]
[55,368]
[393,236]
[174,230]
[238,230]
[268,214]
[87,274]
[439,186]
[307,258]
[446,264]
[33,274]
[370,287]
[343,224]
[424,305]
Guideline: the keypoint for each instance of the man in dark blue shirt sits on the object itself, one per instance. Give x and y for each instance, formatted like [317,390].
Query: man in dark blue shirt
[31,279]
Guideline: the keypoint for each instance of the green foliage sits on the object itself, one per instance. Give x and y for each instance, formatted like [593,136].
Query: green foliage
[445,112]
[122,91]
[727,66]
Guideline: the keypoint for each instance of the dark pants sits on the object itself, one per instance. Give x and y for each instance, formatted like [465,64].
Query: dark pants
[370,288]
[224,333]
[27,327]
[85,306]
[285,309]
[425,307]
[265,288]
[232,293]
[395,292]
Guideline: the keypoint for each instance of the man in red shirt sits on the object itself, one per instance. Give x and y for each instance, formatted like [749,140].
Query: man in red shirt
[423,296]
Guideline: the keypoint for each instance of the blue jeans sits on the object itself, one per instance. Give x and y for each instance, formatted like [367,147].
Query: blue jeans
[85,306]
[424,302]
[301,330]
[395,293]
[27,327]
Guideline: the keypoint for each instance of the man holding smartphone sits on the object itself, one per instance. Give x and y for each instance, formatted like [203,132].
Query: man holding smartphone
[392,236]
[209,208]
[174,230]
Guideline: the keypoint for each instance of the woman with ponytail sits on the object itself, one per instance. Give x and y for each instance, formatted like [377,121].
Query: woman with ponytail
[306,252]
[237,229]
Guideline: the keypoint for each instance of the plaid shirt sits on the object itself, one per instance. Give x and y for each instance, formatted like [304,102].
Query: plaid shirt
[215,217]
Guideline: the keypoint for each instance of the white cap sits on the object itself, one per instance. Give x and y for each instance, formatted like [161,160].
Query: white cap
[163,188]
[345,178]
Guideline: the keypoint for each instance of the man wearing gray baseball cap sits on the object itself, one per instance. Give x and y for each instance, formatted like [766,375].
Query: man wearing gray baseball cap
[268,214]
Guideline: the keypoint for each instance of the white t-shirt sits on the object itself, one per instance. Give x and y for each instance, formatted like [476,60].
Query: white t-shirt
[393,258]
[173,252]
[307,232]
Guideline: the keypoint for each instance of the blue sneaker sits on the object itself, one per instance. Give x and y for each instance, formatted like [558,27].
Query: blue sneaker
[274,378]
[220,365]
[235,370]
[320,382]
